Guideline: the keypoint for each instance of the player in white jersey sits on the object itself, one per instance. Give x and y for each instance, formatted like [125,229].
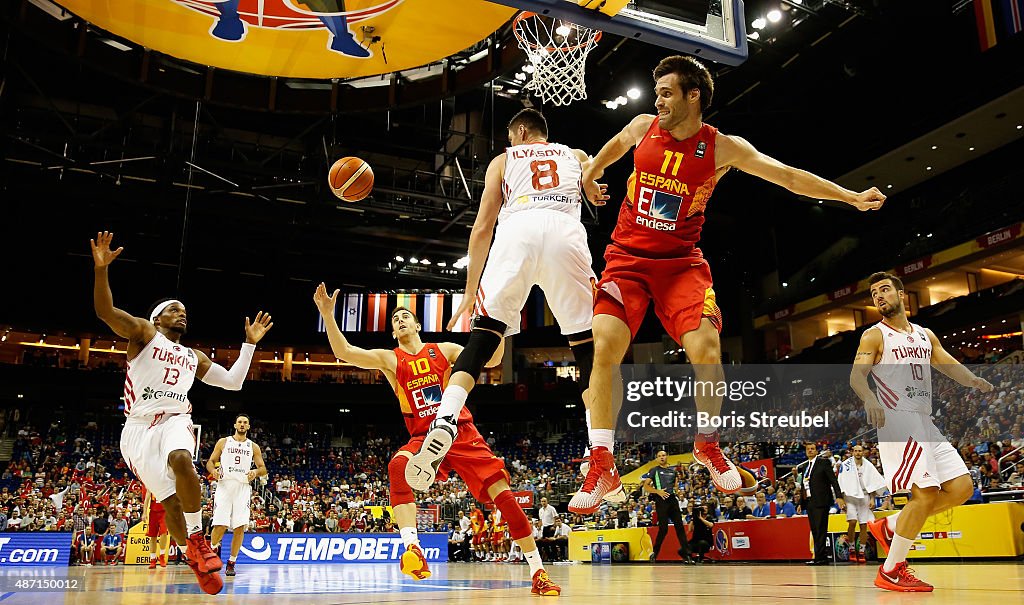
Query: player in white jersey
[232,463]
[915,455]
[157,441]
[534,192]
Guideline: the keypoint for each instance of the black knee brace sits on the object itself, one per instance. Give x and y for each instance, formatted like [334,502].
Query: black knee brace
[484,340]
[584,354]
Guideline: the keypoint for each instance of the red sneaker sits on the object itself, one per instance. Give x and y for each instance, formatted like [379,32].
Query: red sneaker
[723,472]
[542,584]
[163,560]
[862,557]
[199,552]
[901,579]
[413,563]
[210,582]
[152,563]
[602,481]
[879,528]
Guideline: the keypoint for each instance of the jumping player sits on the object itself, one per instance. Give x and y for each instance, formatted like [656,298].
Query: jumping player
[533,192]
[916,457]
[231,462]
[157,440]
[653,254]
[418,373]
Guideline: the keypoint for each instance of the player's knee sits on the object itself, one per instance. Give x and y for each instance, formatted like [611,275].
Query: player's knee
[398,488]
[180,460]
[518,524]
[962,488]
[484,340]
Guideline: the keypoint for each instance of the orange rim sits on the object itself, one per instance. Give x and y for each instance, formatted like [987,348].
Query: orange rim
[594,39]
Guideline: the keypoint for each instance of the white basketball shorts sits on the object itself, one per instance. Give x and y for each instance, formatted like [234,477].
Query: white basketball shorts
[146,441]
[914,451]
[231,504]
[859,509]
[539,247]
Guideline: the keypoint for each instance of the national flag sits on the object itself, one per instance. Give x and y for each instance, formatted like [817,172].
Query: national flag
[433,313]
[463,324]
[408,301]
[377,313]
[997,20]
[351,314]
[985,19]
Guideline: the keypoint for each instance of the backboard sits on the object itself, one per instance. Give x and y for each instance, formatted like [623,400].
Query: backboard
[708,29]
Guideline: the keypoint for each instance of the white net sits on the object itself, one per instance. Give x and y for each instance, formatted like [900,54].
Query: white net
[557,51]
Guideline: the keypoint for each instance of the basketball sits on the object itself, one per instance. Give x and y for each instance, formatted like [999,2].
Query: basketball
[351,179]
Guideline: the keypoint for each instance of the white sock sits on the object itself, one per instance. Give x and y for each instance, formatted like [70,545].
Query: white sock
[215,546]
[233,558]
[409,536]
[194,522]
[452,401]
[603,438]
[533,558]
[897,552]
[890,521]
[152,556]
[706,430]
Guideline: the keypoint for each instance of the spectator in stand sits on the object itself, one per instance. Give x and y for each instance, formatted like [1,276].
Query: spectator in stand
[762,510]
[798,503]
[783,507]
[331,523]
[560,540]
[113,546]
[736,509]
[85,547]
[546,513]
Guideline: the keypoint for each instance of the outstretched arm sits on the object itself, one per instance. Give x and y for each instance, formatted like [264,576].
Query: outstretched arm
[617,147]
[948,365]
[135,329]
[368,359]
[737,152]
[595,193]
[215,375]
[867,354]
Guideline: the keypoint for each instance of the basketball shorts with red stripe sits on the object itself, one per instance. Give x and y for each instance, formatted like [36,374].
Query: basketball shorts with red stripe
[147,441]
[539,247]
[471,458]
[681,289]
[915,452]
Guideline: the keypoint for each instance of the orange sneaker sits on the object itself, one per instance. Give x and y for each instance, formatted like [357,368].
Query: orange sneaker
[901,579]
[210,582]
[862,557]
[163,560]
[199,551]
[413,563]
[152,563]
[723,472]
[879,528]
[602,483]
[543,586]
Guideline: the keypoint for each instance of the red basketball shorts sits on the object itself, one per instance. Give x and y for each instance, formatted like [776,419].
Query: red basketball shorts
[471,458]
[157,524]
[681,289]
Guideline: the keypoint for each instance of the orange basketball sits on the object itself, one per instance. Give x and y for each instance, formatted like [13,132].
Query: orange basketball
[351,179]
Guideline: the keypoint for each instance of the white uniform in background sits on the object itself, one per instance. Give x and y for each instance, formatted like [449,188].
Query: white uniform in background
[232,499]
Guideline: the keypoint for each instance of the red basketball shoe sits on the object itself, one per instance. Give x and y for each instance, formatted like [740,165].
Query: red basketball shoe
[723,472]
[414,563]
[901,579]
[543,586]
[602,482]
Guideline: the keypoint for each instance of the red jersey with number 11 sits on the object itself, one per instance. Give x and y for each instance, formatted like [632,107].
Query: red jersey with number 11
[419,380]
[672,180]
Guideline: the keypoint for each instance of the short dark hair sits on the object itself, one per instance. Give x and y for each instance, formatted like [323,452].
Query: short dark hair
[532,119]
[246,416]
[411,312]
[884,275]
[692,74]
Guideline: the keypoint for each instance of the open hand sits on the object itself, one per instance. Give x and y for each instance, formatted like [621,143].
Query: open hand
[596,192]
[324,302]
[102,255]
[255,331]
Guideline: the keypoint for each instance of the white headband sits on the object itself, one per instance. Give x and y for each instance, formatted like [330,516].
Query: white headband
[160,308]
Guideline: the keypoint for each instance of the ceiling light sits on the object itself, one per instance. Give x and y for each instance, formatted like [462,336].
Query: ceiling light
[633,93]
[512,91]
[888,186]
[520,76]
[934,147]
[424,262]
[754,36]
[563,30]
[759,23]
[1019,126]
[413,260]
[442,264]
[970,149]
[621,100]
[785,285]
[774,15]
[400,259]
[928,168]
[528,68]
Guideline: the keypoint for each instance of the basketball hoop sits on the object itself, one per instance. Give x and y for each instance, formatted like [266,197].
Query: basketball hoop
[558,51]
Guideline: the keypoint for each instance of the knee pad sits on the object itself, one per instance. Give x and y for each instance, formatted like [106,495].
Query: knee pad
[518,524]
[481,346]
[398,487]
[584,354]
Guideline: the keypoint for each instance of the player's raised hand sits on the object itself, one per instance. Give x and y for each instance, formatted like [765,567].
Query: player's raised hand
[596,192]
[102,255]
[875,413]
[870,199]
[255,331]
[465,307]
[324,302]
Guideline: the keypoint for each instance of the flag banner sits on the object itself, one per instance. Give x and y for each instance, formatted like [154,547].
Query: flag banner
[352,313]
[463,324]
[377,313]
[408,301]
[433,313]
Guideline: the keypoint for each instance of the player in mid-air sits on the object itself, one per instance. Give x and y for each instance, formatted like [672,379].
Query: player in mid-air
[157,441]
[653,254]
[232,464]
[418,372]
[916,457]
[534,193]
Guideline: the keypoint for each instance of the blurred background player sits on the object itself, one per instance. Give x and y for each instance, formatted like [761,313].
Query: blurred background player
[232,464]
[653,254]
[157,441]
[859,480]
[533,193]
[916,457]
[156,529]
[418,373]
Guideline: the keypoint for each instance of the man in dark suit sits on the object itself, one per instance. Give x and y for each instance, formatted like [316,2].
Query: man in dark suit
[820,484]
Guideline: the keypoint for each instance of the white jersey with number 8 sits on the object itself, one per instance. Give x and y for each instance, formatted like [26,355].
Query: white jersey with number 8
[541,175]
[159,378]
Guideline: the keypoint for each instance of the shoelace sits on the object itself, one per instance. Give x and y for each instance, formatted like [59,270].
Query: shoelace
[717,459]
[908,573]
[593,476]
[204,548]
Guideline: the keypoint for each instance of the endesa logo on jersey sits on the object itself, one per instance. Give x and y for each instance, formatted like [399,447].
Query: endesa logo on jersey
[657,210]
[330,548]
[35,549]
[426,399]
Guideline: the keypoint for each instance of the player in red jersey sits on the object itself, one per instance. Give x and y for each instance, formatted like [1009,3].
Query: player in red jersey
[653,254]
[418,372]
[156,527]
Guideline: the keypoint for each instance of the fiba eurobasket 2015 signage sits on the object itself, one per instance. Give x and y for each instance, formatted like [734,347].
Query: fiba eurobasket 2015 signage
[334,548]
[35,548]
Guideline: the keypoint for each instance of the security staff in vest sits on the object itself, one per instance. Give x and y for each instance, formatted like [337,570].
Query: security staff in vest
[660,482]
[822,489]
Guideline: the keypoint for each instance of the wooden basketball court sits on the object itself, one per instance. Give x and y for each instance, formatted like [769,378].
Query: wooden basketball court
[486,583]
